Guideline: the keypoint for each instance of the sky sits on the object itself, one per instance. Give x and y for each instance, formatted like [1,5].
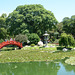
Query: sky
[60,8]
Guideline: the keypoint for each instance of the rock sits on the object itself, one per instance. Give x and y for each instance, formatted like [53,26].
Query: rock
[64,49]
[52,46]
[28,41]
[40,43]
[74,48]
[26,46]
[15,48]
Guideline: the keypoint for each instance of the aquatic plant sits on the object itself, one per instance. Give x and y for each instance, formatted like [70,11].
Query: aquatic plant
[71,61]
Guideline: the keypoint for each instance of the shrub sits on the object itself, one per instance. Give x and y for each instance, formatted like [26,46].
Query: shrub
[74,43]
[32,45]
[66,40]
[1,40]
[56,41]
[21,38]
[71,40]
[33,38]
[63,40]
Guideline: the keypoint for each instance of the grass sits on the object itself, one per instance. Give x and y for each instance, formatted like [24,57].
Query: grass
[34,54]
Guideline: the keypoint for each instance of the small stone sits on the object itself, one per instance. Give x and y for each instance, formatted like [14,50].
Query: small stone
[64,49]
[40,43]
[15,48]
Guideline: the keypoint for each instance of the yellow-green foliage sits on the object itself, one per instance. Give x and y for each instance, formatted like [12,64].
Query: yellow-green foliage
[71,61]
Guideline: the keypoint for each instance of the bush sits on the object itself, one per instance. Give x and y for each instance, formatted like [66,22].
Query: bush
[21,38]
[71,40]
[63,40]
[66,40]
[32,45]
[56,41]
[33,38]
[1,40]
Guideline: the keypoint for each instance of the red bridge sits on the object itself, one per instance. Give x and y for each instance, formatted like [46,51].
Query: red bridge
[10,43]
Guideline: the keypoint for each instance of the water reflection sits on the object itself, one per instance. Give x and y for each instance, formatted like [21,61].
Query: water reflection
[66,69]
[29,68]
[36,68]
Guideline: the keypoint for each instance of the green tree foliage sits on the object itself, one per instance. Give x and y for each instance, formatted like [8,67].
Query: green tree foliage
[31,19]
[69,25]
[33,38]
[21,38]
[3,20]
[66,40]
[60,27]
[3,26]
[14,21]
[3,33]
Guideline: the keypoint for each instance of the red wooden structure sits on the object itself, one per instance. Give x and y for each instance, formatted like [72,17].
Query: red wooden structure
[5,43]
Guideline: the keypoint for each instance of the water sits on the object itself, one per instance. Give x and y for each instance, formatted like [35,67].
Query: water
[36,68]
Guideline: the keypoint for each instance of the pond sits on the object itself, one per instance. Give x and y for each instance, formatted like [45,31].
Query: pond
[37,68]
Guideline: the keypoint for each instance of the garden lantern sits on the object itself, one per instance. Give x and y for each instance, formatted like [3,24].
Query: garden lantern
[46,38]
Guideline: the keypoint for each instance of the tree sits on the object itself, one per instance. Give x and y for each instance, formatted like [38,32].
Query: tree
[30,19]
[3,33]
[66,26]
[3,20]
[21,38]
[60,27]
[69,25]
[14,21]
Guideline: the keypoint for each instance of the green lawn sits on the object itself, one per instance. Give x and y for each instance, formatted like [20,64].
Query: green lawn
[34,54]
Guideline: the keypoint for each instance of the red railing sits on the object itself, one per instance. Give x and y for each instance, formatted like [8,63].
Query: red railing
[11,43]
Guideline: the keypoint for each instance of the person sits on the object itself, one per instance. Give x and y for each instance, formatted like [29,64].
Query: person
[14,39]
[10,39]
[5,39]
